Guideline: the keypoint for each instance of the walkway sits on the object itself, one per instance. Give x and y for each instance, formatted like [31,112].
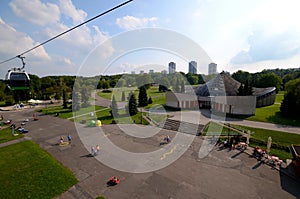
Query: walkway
[87,113]
[204,117]
[13,142]
[221,174]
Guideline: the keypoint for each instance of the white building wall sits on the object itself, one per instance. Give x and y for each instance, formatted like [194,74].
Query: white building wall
[239,105]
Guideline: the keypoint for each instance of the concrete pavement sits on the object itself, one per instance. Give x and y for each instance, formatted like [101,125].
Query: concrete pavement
[221,174]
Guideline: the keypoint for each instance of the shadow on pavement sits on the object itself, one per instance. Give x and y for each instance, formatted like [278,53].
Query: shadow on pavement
[87,156]
[257,165]
[235,155]
[289,184]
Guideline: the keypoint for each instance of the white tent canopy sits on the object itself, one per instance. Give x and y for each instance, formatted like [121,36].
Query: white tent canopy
[32,101]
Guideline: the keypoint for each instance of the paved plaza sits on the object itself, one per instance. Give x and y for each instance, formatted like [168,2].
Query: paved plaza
[221,174]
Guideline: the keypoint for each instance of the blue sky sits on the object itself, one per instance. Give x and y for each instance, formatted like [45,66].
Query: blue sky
[250,35]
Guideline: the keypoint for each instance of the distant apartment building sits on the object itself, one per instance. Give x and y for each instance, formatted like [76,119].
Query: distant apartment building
[193,67]
[212,68]
[172,67]
[164,72]
[151,71]
[141,72]
[132,72]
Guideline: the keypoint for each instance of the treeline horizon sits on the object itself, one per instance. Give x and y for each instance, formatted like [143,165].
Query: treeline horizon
[50,87]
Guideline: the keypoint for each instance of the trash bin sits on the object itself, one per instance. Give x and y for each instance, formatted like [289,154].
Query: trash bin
[92,123]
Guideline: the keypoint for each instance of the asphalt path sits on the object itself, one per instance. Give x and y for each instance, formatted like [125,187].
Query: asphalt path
[221,174]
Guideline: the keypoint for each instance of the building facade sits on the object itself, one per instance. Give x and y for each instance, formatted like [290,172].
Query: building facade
[220,94]
[212,68]
[172,67]
[193,67]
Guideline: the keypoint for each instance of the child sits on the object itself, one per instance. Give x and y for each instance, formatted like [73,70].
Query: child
[69,138]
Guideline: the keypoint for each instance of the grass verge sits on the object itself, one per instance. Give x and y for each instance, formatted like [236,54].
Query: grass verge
[271,114]
[29,172]
[6,135]
[65,113]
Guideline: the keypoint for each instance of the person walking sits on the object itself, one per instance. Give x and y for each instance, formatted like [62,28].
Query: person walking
[69,138]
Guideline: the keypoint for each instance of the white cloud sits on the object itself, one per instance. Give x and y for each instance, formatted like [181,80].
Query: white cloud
[275,33]
[131,22]
[67,61]
[100,36]
[67,8]
[79,37]
[35,11]
[291,62]
[14,42]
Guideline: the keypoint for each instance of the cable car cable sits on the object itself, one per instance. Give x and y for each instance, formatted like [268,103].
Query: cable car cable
[55,37]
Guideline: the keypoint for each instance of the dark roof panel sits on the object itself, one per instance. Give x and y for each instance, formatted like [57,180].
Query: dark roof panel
[224,83]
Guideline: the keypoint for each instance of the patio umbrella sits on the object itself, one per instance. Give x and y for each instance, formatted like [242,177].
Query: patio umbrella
[248,137]
[269,145]
[31,101]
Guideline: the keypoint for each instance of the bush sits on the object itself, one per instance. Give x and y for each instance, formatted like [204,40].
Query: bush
[9,101]
[114,121]
[106,91]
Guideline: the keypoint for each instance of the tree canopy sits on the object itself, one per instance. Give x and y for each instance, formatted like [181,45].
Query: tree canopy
[290,106]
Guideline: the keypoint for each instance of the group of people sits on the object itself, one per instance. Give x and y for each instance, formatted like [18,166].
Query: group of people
[269,159]
[95,150]
[62,140]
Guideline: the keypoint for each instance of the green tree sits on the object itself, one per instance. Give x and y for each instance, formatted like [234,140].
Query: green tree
[132,104]
[85,96]
[245,89]
[143,98]
[123,96]
[121,83]
[176,88]
[76,101]
[114,107]
[64,98]
[192,79]
[164,84]
[269,80]
[150,100]
[241,76]
[200,79]
[182,87]
[162,88]
[290,106]
[144,80]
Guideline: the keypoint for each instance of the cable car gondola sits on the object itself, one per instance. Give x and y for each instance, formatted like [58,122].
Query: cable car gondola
[17,78]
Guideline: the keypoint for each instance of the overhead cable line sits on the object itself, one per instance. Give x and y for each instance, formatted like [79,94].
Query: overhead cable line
[55,37]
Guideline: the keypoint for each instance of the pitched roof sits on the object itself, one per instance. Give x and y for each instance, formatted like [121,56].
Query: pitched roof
[224,84]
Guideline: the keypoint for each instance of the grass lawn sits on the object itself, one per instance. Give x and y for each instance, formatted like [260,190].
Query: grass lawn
[117,92]
[29,172]
[105,117]
[279,97]
[157,117]
[5,135]
[278,137]
[157,97]
[67,113]
[271,114]
[214,129]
